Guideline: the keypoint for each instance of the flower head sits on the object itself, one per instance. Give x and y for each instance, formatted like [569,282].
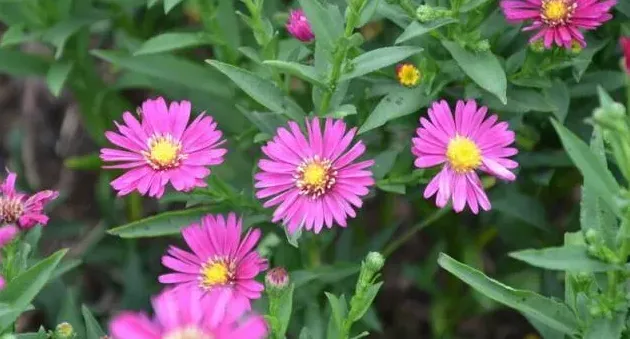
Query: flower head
[277,278]
[408,74]
[625,46]
[559,21]
[7,234]
[465,144]
[19,209]
[163,148]
[220,261]
[314,179]
[299,26]
[189,316]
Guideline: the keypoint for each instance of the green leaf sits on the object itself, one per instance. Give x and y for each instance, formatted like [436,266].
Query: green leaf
[560,97]
[16,35]
[57,75]
[20,64]
[595,172]
[90,162]
[93,329]
[261,90]
[583,60]
[601,328]
[520,206]
[325,274]
[303,72]
[166,223]
[326,22]
[395,105]
[367,12]
[267,122]
[167,67]
[609,80]
[565,258]
[21,290]
[472,4]
[170,4]
[482,67]
[550,312]
[377,59]
[173,41]
[365,302]
[59,34]
[339,309]
[285,309]
[416,29]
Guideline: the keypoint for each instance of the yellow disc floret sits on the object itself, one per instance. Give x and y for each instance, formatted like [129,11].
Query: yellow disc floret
[164,152]
[463,154]
[215,273]
[188,333]
[557,12]
[315,176]
[408,75]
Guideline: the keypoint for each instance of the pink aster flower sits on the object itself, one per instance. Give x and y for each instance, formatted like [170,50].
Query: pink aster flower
[463,145]
[3,283]
[163,148]
[19,209]
[220,261]
[559,21]
[314,179]
[299,26]
[625,46]
[7,234]
[188,316]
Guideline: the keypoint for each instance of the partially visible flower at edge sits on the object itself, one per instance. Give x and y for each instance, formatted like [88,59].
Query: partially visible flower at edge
[299,27]
[407,74]
[7,234]
[221,261]
[187,315]
[163,148]
[559,21]
[3,283]
[625,47]
[314,180]
[463,145]
[21,210]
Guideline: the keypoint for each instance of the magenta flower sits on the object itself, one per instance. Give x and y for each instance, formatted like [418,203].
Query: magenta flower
[313,181]
[464,145]
[7,234]
[299,26]
[220,260]
[188,316]
[559,21]
[625,47]
[18,209]
[162,149]
[3,283]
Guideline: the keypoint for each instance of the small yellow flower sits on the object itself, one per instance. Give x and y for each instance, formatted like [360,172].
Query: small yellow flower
[408,74]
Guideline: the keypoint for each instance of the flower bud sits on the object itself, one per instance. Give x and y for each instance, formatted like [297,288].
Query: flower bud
[277,278]
[299,27]
[7,233]
[537,46]
[625,47]
[374,261]
[591,235]
[576,47]
[64,331]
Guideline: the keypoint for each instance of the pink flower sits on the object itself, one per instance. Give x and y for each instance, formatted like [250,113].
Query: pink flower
[188,316]
[299,26]
[220,261]
[463,145]
[163,148]
[3,283]
[559,21]
[625,46]
[21,210]
[7,233]
[313,181]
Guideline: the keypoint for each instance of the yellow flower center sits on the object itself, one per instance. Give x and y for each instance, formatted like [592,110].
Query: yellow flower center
[408,75]
[188,333]
[164,152]
[557,12]
[315,176]
[463,154]
[215,272]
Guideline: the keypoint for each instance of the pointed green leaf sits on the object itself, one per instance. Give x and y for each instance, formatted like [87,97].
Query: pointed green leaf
[377,59]
[601,328]
[262,90]
[416,29]
[170,4]
[395,105]
[57,75]
[326,21]
[285,309]
[366,302]
[565,258]
[174,41]
[304,72]
[93,329]
[583,60]
[482,67]
[166,223]
[367,12]
[20,64]
[545,310]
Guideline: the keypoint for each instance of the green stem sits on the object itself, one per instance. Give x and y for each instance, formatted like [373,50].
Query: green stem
[135,207]
[407,7]
[394,245]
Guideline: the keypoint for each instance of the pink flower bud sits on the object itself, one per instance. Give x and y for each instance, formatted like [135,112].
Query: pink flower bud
[299,26]
[277,278]
[7,233]
[625,47]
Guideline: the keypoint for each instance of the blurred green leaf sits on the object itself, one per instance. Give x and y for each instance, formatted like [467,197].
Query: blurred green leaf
[395,105]
[482,67]
[601,328]
[565,258]
[469,5]
[69,313]
[365,304]
[325,20]
[339,309]
[560,97]
[416,29]
[59,34]
[16,35]
[303,72]
[609,80]
[93,329]
[57,75]
[377,59]
[367,12]
[547,311]
[20,64]
[90,162]
[326,274]
[583,60]
[261,90]
[169,5]
[285,309]
[166,223]
[167,42]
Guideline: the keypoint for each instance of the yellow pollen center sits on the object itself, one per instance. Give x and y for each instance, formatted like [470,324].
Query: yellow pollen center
[215,273]
[463,154]
[315,176]
[555,12]
[408,75]
[187,333]
[10,210]
[164,152]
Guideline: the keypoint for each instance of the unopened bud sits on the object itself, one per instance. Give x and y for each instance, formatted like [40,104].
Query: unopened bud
[64,331]
[277,278]
[537,46]
[591,235]
[483,46]
[374,261]
[576,47]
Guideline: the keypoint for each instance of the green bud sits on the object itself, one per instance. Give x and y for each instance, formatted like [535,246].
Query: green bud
[483,46]
[374,261]
[425,13]
[595,310]
[591,235]
[537,46]
[576,48]
[64,331]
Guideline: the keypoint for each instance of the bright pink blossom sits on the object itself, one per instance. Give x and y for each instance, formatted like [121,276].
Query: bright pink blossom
[3,283]
[625,46]
[314,179]
[19,209]
[189,316]
[299,26]
[559,21]
[163,148]
[463,145]
[7,233]
[220,262]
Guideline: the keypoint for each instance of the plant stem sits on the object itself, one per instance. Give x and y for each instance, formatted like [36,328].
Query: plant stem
[394,245]
[135,207]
